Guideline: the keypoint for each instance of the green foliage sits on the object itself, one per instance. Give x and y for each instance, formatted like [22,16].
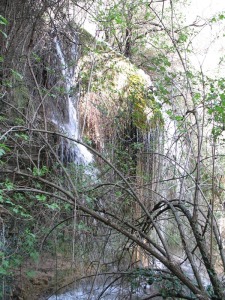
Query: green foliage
[81,226]
[23,136]
[19,121]
[166,284]
[218,17]
[120,20]
[216,105]
[124,159]
[113,14]
[210,291]
[53,206]
[36,57]
[29,244]
[2,118]
[40,171]
[90,201]
[41,197]
[3,22]
[31,273]
[3,149]
[160,63]
[13,204]
[8,185]
[182,38]
[5,267]
[17,75]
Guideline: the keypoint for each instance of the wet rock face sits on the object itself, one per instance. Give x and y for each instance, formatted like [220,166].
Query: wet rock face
[32,76]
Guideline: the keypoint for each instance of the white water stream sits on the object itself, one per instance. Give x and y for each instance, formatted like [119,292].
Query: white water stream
[111,293]
[105,290]
[80,154]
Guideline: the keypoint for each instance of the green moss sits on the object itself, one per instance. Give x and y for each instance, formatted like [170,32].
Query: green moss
[143,103]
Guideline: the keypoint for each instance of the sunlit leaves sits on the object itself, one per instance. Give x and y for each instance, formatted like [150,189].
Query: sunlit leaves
[219,17]
[113,14]
[182,38]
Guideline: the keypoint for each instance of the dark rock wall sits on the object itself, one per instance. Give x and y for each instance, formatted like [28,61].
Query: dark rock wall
[30,73]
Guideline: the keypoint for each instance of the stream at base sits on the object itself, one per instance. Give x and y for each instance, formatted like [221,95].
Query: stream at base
[112,288]
[104,293]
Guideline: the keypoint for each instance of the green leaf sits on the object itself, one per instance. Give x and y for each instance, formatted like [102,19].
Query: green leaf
[36,57]
[216,131]
[197,96]
[2,152]
[9,185]
[178,118]
[3,20]
[219,109]
[210,111]
[17,75]
[35,256]
[31,273]
[213,20]
[22,136]
[118,19]
[53,206]
[3,271]
[41,198]
[4,34]
[15,210]
[222,97]
[3,149]
[182,38]
[40,171]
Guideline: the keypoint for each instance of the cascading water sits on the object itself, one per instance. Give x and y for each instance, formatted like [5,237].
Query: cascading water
[75,152]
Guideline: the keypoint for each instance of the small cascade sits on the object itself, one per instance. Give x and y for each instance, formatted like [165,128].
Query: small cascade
[71,152]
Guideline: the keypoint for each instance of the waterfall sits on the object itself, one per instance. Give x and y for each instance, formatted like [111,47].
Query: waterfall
[75,152]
